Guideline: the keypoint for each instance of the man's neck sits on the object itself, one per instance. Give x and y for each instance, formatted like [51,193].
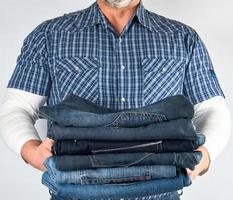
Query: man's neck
[118,17]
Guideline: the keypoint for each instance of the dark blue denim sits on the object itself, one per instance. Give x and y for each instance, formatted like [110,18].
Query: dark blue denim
[85,147]
[182,129]
[117,191]
[77,111]
[78,162]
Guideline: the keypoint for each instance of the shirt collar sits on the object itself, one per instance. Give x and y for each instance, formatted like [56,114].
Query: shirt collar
[143,16]
[95,16]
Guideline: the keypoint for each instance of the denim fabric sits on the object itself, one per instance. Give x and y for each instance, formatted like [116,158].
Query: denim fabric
[164,196]
[175,129]
[85,147]
[145,123]
[109,175]
[53,197]
[78,162]
[77,111]
[119,190]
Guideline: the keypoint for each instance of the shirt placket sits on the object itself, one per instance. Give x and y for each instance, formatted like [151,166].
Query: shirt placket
[121,66]
[122,98]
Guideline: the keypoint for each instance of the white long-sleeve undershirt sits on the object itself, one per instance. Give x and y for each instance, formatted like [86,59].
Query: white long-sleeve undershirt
[18,114]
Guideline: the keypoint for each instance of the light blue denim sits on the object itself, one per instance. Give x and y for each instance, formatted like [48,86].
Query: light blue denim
[109,175]
[164,196]
[119,190]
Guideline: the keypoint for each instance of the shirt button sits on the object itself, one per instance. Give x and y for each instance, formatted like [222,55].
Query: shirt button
[121,198]
[120,39]
[164,70]
[122,67]
[122,99]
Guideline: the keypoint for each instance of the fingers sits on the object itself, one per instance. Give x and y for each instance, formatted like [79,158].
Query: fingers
[192,173]
[38,153]
[47,153]
[48,143]
[189,171]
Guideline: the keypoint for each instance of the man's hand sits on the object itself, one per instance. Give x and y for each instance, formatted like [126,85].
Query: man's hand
[202,167]
[36,152]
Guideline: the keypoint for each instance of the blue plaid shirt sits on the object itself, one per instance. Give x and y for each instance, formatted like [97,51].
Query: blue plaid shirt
[79,52]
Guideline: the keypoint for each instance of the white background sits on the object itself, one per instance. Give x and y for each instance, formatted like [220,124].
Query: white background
[212,19]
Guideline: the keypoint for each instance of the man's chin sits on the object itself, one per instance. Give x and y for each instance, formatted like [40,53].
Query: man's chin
[118,3]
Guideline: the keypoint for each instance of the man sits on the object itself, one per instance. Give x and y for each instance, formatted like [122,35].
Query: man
[116,54]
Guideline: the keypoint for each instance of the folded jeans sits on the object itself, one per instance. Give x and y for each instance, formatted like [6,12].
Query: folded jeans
[164,196]
[119,190]
[109,175]
[79,162]
[79,112]
[182,129]
[88,147]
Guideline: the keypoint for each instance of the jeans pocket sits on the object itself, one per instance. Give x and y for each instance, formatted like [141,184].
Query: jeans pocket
[118,160]
[131,148]
[160,147]
[117,180]
[134,119]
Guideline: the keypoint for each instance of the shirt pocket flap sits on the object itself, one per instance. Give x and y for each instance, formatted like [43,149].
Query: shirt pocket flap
[161,65]
[77,64]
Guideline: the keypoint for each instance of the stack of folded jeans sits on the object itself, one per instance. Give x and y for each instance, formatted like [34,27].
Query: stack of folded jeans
[101,153]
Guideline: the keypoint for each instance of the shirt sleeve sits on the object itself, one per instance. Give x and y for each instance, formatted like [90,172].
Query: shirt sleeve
[200,81]
[31,73]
